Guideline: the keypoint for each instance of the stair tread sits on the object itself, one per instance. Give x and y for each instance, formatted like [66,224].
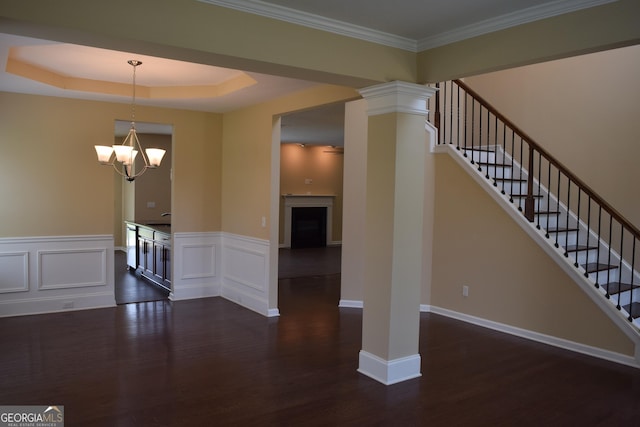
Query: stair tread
[511,179]
[549,212]
[633,309]
[579,248]
[500,164]
[617,287]
[562,229]
[592,267]
[483,150]
[525,195]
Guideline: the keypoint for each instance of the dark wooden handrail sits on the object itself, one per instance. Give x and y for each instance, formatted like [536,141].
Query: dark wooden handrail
[535,146]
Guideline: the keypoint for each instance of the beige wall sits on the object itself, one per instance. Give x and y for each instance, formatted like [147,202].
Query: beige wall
[584,111]
[246,173]
[154,186]
[52,185]
[511,280]
[320,164]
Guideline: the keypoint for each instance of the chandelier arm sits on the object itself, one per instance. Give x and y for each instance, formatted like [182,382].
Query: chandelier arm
[125,157]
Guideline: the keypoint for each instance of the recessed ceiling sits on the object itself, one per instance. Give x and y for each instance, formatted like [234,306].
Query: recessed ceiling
[88,64]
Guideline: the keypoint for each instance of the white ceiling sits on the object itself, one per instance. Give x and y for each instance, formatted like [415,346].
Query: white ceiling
[408,24]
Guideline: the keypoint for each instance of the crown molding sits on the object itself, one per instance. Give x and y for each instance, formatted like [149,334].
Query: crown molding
[318,22]
[524,16]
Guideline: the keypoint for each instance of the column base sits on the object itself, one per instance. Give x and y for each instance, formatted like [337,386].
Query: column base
[389,371]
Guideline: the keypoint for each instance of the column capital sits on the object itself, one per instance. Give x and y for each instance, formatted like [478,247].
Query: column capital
[397,97]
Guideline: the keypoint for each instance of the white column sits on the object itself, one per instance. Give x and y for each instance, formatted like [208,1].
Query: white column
[395,195]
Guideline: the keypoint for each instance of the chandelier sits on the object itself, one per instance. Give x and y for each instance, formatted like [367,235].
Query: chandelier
[125,154]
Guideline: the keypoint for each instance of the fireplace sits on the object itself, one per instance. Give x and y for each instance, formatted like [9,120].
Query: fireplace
[307,220]
[308,227]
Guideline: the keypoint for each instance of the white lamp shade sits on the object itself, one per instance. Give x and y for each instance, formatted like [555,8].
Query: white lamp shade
[123,152]
[104,153]
[129,160]
[155,156]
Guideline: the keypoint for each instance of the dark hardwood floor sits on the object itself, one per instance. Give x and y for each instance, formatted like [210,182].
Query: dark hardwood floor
[209,362]
[131,288]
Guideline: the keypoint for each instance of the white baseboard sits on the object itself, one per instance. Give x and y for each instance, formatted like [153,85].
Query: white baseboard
[57,304]
[347,303]
[193,291]
[536,336]
[389,371]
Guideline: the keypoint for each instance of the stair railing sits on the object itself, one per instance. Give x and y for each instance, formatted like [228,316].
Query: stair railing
[601,240]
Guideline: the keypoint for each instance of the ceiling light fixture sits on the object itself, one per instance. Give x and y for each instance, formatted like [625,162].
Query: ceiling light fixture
[125,154]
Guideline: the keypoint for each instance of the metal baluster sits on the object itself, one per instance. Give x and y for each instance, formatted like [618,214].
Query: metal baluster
[504,153]
[458,117]
[549,200]
[539,188]
[466,125]
[576,264]
[495,157]
[521,168]
[620,266]
[586,273]
[480,135]
[451,114]
[473,127]
[557,244]
[566,233]
[609,253]
[633,263]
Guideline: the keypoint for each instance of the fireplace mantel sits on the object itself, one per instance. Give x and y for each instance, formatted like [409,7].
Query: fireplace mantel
[306,201]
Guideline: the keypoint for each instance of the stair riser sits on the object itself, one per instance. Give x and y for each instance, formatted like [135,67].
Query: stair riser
[539,204]
[605,276]
[550,221]
[511,187]
[481,156]
[564,239]
[584,257]
[625,298]
[496,171]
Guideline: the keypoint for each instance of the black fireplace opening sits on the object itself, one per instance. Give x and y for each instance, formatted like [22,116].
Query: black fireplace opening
[308,227]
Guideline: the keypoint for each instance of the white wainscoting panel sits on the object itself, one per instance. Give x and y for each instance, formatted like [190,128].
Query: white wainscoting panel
[246,272]
[14,272]
[57,273]
[196,265]
[74,268]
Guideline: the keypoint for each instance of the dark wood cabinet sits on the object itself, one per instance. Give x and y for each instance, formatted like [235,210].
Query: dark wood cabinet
[154,255]
[162,260]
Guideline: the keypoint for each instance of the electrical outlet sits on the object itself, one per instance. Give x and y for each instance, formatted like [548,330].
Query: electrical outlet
[308,181]
[465,291]
[68,304]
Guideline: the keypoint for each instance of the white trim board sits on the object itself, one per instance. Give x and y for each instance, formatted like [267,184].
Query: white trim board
[531,14]
[539,337]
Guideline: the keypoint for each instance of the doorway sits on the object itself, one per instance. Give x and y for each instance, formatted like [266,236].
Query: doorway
[146,201]
[311,167]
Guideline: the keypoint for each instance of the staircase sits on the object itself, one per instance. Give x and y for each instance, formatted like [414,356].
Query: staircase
[600,244]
